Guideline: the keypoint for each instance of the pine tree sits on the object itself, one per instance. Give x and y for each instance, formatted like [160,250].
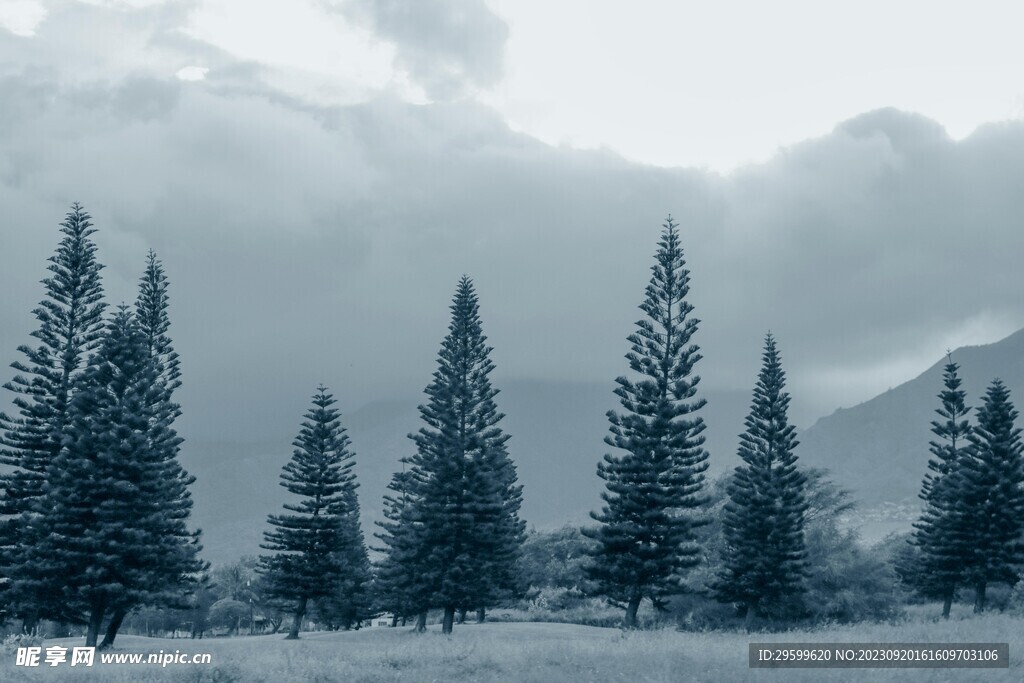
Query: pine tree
[645,541]
[71,325]
[395,576]
[117,500]
[319,547]
[937,570]
[154,323]
[151,312]
[460,530]
[764,560]
[351,601]
[990,496]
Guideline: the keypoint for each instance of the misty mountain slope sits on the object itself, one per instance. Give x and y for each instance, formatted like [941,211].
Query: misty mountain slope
[879,449]
[557,431]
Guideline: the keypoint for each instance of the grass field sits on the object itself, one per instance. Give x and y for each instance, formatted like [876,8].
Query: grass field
[528,652]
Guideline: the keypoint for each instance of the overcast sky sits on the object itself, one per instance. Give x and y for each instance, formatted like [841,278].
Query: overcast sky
[317,174]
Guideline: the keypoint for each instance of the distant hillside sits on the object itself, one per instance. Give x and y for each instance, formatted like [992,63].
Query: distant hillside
[557,433]
[879,449]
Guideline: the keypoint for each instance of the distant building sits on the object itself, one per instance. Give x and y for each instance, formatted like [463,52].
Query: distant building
[385,619]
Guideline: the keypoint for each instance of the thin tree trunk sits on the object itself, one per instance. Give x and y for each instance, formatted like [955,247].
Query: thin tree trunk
[947,604]
[481,615]
[95,621]
[112,628]
[749,615]
[300,611]
[979,597]
[30,624]
[446,622]
[631,608]
[421,622]
[394,621]
[462,615]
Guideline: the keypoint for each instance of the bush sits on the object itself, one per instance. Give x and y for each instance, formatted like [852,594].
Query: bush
[554,599]
[554,558]
[228,613]
[15,640]
[847,582]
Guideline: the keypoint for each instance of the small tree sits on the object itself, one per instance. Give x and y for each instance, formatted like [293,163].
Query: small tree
[763,522]
[990,496]
[396,580]
[938,534]
[314,546]
[645,541]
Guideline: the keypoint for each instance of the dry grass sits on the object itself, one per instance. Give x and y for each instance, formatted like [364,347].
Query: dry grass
[533,652]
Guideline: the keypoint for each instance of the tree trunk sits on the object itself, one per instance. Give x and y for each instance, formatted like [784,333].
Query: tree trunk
[300,611]
[30,624]
[979,597]
[394,621]
[749,615]
[631,609]
[481,615]
[95,621]
[112,628]
[947,604]
[446,622]
[462,615]
[421,622]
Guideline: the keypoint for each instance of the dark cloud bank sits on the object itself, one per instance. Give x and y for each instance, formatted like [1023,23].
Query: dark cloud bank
[309,244]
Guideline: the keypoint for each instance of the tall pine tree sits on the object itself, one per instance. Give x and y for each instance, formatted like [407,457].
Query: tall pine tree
[645,541]
[764,559]
[460,530]
[71,325]
[319,546]
[938,534]
[117,500]
[990,499]
[154,322]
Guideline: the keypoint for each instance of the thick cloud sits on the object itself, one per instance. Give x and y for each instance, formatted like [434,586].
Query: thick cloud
[308,244]
[448,47]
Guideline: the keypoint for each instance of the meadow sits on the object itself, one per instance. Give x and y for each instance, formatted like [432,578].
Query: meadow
[533,652]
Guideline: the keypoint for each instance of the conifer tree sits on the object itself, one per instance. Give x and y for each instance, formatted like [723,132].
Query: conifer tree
[764,559]
[154,322]
[395,577]
[117,500]
[645,540]
[937,570]
[461,524]
[990,499]
[318,547]
[351,601]
[71,325]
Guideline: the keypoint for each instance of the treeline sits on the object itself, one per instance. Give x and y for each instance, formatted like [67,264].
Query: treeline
[94,505]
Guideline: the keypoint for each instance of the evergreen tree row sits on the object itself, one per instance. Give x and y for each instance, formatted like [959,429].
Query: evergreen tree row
[655,497]
[94,508]
[94,505]
[971,530]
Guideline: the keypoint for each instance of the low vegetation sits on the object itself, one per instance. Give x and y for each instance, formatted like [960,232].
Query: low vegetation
[536,652]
